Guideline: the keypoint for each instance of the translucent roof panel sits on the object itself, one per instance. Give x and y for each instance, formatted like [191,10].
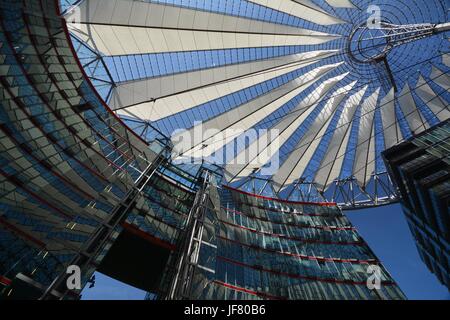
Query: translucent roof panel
[324,86]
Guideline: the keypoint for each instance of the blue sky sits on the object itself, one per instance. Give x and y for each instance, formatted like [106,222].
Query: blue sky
[107,288]
[386,231]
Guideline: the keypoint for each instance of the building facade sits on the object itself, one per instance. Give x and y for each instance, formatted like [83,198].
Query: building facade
[79,188]
[421,169]
[71,171]
[255,247]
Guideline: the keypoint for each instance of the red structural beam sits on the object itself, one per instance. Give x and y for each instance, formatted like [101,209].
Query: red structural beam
[323,204]
[301,256]
[85,76]
[5,281]
[252,292]
[62,92]
[47,135]
[21,233]
[43,164]
[18,183]
[288,212]
[144,235]
[283,236]
[319,227]
[44,100]
[298,276]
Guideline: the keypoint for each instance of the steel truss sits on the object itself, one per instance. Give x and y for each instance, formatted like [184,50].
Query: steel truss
[190,243]
[373,43]
[367,44]
[347,193]
[96,69]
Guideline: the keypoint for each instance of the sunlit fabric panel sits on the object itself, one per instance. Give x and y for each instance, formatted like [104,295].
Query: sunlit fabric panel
[242,64]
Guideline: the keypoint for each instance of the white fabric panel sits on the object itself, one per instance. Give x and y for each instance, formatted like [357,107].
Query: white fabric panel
[187,90]
[331,165]
[310,4]
[433,101]
[408,106]
[304,11]
[114,40]
[298,159]
[267,145]
[371,159]
[392,133]
[154,15]
[341,3]
[441,78]
[349,108]
[336,166]
[249,114]
[365,151]
[446,59]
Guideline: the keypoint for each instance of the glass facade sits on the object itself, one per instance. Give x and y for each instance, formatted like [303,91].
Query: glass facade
[67,163]
[421,169]
[255,247]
